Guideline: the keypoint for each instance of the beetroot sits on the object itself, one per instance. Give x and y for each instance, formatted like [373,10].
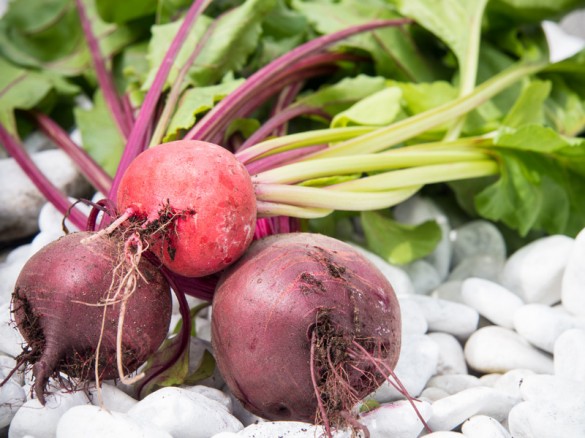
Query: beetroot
[299,315]
[58,306]
[196,203]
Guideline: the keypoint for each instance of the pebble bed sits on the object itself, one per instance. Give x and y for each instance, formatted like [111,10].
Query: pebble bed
[493,346]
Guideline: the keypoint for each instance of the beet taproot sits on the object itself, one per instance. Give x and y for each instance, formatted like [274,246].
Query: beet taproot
[59,302]
[294,317]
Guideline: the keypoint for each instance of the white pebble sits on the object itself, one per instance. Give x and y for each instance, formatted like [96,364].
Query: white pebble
[9,272]
[12,397]
[541,325]
[177,410]
[113,398]
[90,421]
[535,271]
[416,364]
[412,318]
[446,316]
[424,276]
[453,383]
[477,237]
[213,394]
[43,239]
[554,407]
[41,421]
[482,426]
[511,381]
[572,294]
[20,254]
[432,394]
[450,291]
[492,301]
[449,412]
[494,349]
[281,429]
[481,266]
[490,379]
[11,341]
[396,420]
[445,434]
[451,357]
[569,355]
[399,279]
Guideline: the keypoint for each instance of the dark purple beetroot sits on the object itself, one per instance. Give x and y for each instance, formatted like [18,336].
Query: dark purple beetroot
[55,306]
[290,292]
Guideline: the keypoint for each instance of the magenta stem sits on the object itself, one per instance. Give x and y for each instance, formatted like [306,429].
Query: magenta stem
[46,187]
[211,123]
[137,140]
[92,171]
[103,75]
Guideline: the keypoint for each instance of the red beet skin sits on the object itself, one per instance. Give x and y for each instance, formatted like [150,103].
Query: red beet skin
[209,190]
[54,305]
[265,310]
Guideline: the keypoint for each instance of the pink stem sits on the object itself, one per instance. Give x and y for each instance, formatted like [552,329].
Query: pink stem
[92,171]
[46,187]
[104,77]
[211,123]
[137,141]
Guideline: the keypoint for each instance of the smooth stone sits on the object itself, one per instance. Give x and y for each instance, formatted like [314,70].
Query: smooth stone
[9,273]
[541,387]
[425,277]
[284,429]
[12,397]
[21,201]
[51,219]
[541,325]
[569,355]
[477,237]
[412,319]
[396,420]
[7,364]
[34,419]
[510,382]
[19,254]
[572,295]
[111,398]
[451,357]
[481,266]
[445,434]
[494,349]
[482,426]
[176,410]
[398,278]
[433,394]
[546,419]
[418,209]
[416,364]
[213,394]
[450,291]
[449,412]
[43,239]
[446,316]
[453,383]
[241,413]
[11,341]
[492,301]
[490,379]
[535,271]
[90,421]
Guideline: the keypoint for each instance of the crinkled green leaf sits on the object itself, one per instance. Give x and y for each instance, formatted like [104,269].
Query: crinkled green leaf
[395,53]
[399,243]
[233,40]
[51,38]
[100,135]
[196,101]
[27,89]
[204,370]
[245,126]
[541,184]
[115,11]
[533,11]
[343,94]
[158,46]
[453,21]
[377,109]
